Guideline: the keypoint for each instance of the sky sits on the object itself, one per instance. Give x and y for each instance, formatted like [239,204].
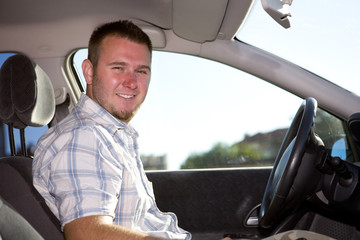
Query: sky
[197,103]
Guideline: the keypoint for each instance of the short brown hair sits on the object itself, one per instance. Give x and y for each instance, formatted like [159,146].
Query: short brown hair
[122,28]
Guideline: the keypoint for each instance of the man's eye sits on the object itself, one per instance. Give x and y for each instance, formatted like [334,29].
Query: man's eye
[117,68]
[143,72]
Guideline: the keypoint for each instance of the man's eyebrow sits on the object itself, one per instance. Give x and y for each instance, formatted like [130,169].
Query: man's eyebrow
[117,63]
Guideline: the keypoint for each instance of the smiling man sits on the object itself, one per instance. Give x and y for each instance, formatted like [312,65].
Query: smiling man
[120,79]
[88,166]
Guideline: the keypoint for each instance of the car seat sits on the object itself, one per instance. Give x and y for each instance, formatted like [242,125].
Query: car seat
[26,99]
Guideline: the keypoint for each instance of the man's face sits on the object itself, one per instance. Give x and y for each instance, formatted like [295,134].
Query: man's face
[120,81]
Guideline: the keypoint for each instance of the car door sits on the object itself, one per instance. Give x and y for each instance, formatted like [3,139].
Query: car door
[212,203]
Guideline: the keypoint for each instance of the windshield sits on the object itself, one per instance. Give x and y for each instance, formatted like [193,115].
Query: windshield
[324,38]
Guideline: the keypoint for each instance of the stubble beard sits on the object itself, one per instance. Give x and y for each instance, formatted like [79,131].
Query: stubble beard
[124,116]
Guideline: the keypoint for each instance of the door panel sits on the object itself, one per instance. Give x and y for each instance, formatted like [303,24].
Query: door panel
[209,203]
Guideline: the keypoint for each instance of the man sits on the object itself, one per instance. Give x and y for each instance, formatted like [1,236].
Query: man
[88,166]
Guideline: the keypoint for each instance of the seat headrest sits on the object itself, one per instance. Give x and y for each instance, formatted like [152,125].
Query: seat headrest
[26,93]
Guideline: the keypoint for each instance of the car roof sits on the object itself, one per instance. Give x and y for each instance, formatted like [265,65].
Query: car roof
[36,26]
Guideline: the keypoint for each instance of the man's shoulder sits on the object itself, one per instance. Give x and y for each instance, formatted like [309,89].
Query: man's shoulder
[84,125]
[81,117]
[62,140]
[68,127]
[75,124]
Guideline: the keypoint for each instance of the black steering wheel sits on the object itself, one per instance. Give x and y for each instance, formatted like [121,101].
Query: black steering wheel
[294,174]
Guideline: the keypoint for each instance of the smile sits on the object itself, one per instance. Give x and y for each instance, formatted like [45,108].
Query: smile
[125,96]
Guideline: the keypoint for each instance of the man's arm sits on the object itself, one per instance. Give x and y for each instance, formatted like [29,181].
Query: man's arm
[100,227]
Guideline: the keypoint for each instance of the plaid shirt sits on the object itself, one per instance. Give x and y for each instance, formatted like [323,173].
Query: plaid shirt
[89,164]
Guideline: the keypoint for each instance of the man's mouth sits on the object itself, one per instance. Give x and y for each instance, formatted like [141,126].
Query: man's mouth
[125,95]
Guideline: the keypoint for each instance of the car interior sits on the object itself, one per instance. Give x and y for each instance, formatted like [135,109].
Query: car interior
[313,184]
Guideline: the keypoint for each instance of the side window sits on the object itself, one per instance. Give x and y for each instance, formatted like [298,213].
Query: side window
[78,58]
[331,131]
[32,134]
[204,114]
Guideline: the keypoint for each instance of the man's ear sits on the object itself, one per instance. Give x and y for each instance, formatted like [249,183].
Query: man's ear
[88,71]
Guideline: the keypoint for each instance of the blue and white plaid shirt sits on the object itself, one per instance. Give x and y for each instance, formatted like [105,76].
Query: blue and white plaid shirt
[89,164]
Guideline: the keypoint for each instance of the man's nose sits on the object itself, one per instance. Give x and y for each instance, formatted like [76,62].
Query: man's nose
[130,80]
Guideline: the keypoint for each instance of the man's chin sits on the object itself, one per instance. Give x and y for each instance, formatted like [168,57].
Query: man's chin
[125,116]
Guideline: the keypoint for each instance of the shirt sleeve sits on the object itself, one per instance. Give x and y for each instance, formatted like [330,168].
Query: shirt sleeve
[85,177]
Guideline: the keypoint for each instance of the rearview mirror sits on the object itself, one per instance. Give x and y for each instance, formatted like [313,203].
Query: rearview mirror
[278,10]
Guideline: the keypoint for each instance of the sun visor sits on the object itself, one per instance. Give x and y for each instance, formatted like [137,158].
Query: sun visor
[156,35]
[198,21]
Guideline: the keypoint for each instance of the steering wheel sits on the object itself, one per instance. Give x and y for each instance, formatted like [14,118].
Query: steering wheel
[294,174]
